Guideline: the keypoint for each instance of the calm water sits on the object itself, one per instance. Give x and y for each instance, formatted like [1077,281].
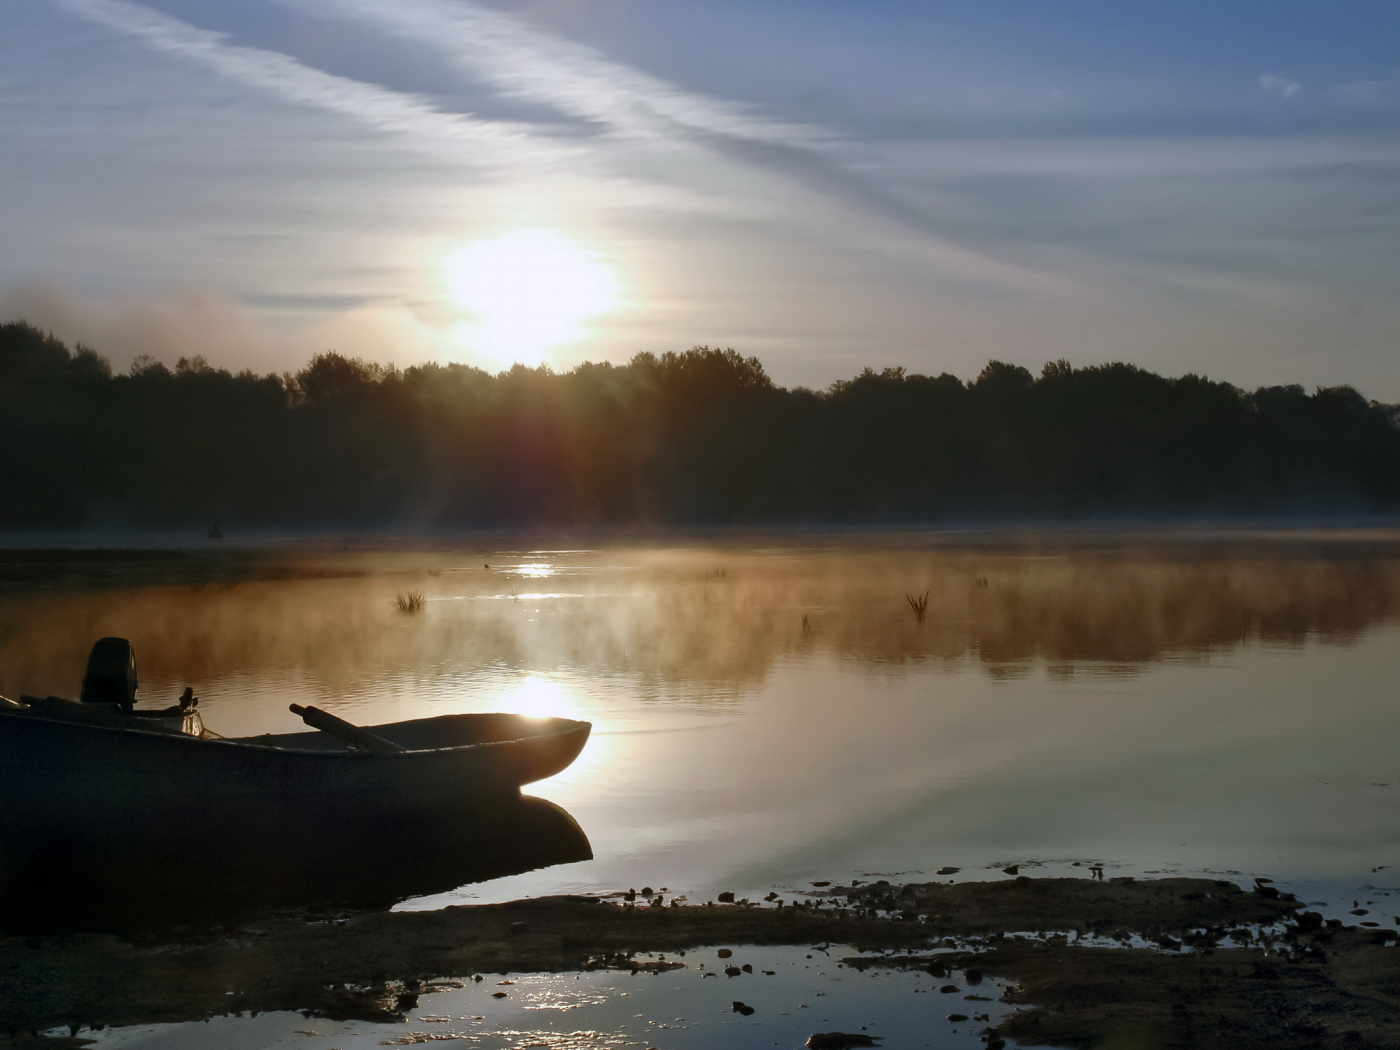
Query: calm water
[768,716]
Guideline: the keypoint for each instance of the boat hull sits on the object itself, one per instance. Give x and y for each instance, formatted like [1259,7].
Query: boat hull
[60,779]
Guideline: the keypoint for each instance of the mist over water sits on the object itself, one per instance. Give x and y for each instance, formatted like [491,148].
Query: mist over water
[771,714]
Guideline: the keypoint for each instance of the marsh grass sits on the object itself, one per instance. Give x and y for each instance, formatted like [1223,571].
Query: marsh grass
[919,605]
[411,601]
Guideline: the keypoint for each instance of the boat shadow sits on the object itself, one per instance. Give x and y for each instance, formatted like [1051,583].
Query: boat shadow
[160,881]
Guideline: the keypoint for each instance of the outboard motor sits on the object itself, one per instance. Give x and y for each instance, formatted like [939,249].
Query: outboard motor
[111,674]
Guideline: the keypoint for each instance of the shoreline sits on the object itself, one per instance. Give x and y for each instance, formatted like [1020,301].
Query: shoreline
[1229,968]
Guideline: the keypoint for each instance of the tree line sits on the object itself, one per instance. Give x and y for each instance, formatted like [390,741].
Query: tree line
[696,439]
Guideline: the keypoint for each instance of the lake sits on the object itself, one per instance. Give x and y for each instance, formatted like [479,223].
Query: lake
[771,712]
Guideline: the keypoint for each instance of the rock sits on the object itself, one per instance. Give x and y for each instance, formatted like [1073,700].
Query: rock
[732,971]
[1014,869]
[646,891]
[839,1041]
[947,871]
[821,884]
[948,988]
[747,967]
[743,1008]
[724,953]
[957,1017]
[726,897]
[498,995]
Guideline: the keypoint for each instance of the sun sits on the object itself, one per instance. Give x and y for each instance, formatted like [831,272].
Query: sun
[528,292]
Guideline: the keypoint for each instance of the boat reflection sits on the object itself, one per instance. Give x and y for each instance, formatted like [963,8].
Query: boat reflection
[152,882]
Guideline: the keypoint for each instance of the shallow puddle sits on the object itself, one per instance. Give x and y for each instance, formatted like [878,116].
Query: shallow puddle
[793,992]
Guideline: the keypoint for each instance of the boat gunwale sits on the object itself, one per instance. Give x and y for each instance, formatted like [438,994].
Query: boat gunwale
[245,742]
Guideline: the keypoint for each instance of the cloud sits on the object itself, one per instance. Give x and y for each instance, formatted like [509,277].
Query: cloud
[523,63]
[464,138]
[638,113]
[1385,92]
[1282,87]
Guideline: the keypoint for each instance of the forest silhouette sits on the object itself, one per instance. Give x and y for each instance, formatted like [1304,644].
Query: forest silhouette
[696,439]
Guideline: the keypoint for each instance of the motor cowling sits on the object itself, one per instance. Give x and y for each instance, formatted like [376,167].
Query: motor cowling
[111,674]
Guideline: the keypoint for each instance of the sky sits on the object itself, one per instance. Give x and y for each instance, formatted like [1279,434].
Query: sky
[1208,187]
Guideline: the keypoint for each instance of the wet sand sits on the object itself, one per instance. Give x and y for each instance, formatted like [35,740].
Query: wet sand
[1231,968]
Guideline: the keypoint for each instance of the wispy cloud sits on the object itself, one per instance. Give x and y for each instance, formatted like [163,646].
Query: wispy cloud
[1384,92]
[1273,84]
[522,62]
[465,139]
[634,109]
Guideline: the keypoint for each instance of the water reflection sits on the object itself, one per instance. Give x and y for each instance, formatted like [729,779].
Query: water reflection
[774,715]
[143,884]
[717,619]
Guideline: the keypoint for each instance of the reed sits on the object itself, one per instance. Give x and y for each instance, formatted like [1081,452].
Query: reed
[919,605]
[411,601]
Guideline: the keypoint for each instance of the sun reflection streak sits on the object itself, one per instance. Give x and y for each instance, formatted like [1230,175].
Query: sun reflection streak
[539,697]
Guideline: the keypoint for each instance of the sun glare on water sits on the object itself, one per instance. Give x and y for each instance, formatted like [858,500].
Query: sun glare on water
[528,292]
[539,698]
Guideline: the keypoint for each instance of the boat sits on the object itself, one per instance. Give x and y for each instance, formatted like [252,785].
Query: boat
[100,769]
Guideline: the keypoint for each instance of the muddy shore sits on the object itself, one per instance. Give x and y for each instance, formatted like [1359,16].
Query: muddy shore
[1226,967]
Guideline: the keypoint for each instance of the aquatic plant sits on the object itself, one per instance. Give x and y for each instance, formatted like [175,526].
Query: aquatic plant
[919,605]
[411,601]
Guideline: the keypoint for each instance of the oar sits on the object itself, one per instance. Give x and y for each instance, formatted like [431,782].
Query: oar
[350,733]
